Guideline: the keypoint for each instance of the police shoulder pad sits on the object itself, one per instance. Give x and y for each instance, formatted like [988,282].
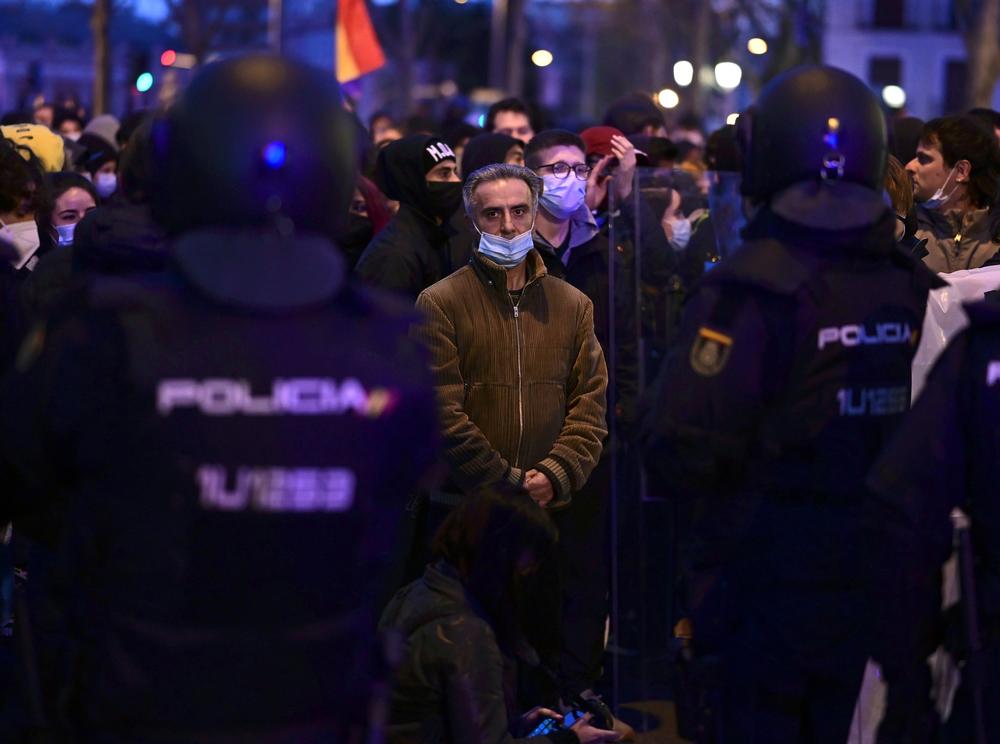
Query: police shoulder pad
[767,264]
[710,351]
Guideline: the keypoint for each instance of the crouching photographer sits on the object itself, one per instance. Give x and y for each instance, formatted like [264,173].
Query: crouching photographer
[463,627]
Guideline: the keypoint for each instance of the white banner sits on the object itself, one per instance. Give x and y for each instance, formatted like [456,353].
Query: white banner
[945,316]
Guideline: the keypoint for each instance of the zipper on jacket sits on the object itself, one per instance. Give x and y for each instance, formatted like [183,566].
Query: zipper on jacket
[520,375]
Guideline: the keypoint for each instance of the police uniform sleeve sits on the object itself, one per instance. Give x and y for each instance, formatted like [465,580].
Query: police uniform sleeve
[701,414]
[919,478]
[577,449]
[472,459]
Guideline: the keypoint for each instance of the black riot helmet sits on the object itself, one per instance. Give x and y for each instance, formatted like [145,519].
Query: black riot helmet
[255,141]
[811,124]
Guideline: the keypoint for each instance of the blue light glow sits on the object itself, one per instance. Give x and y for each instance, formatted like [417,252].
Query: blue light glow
[274,154]
[144,82]
[482,120]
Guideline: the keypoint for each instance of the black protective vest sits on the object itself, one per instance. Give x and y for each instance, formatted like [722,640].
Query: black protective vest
[238,506]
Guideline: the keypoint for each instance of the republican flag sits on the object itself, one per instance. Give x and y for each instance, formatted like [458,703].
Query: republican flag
[358,50]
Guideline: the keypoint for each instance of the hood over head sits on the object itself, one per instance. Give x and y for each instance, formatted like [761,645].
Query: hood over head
[486,149]
[403,165]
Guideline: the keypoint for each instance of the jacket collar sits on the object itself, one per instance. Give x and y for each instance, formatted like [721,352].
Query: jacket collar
[582,229]
[435,233]
[495,275]
[868,240]
[945,224]
[254,270]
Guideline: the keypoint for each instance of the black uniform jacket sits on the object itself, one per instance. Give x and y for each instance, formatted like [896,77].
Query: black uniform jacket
[223,454]
[791,369]
[946,454]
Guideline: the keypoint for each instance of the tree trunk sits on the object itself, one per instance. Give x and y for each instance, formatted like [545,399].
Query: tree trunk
[655,44]
[982,44]
[100,21]
[516,22]
[699,55]
[407,54]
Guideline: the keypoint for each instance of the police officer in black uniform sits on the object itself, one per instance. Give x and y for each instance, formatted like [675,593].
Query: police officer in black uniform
[220,455]
[945,455]
[791,369]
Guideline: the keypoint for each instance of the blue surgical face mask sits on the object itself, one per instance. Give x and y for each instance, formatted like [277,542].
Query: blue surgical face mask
[66,233]
[507,252]
[561,197]
[682,233]
[939,197]
[105,183]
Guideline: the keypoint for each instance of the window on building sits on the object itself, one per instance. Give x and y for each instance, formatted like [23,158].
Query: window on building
[956,77]
[883,71]
[889,13]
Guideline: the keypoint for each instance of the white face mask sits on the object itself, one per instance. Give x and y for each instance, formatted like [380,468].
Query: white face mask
[939,197]
[105,183]
[682,233]
[66,233]
[24,237]
[73,136]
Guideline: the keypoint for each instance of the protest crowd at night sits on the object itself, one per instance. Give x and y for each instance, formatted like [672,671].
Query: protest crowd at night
[328,420]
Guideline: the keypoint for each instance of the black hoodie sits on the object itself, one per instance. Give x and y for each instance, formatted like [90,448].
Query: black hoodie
[413,251]
[116,238]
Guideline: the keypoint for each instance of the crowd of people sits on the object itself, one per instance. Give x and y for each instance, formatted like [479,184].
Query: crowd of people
[270,374]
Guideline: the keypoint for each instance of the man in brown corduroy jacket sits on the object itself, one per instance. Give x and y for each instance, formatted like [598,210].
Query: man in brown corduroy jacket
[520,375]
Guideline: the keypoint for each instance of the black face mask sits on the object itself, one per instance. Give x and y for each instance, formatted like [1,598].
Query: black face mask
[443,199]
[355,237]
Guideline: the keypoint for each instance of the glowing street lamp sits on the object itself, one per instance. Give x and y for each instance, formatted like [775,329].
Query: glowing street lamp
[668,98]
[894,96]
[542,58]
[683,73]
[728,75]
[757,46]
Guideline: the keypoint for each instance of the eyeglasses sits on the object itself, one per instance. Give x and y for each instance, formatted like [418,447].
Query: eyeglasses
[561,170]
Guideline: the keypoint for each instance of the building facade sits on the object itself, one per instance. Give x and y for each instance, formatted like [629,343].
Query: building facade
[914,44]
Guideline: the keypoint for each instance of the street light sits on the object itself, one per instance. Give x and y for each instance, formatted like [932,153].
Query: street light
[542,58]
[894,96]
[728,75]
[757,45]
[668,98]
[683,73]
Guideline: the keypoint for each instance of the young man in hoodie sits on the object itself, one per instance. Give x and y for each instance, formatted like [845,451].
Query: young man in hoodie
[577,250]
[418,247]
[954,176]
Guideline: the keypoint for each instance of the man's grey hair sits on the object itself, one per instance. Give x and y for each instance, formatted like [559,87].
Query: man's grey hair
[500,172]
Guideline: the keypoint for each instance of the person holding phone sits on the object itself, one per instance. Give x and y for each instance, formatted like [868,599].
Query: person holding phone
[464,626]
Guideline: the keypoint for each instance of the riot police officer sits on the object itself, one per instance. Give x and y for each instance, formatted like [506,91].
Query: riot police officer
[945,456]
[791,369]
[220,455]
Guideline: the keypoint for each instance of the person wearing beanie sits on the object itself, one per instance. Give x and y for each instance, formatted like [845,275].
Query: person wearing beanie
[99,162]
[489,148]
[45,145]
[106,127]
[418,247]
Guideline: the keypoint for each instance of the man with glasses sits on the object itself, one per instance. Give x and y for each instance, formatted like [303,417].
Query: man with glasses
[575,249]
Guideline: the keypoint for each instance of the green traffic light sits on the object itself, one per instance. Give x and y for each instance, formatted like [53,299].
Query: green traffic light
[144,82]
